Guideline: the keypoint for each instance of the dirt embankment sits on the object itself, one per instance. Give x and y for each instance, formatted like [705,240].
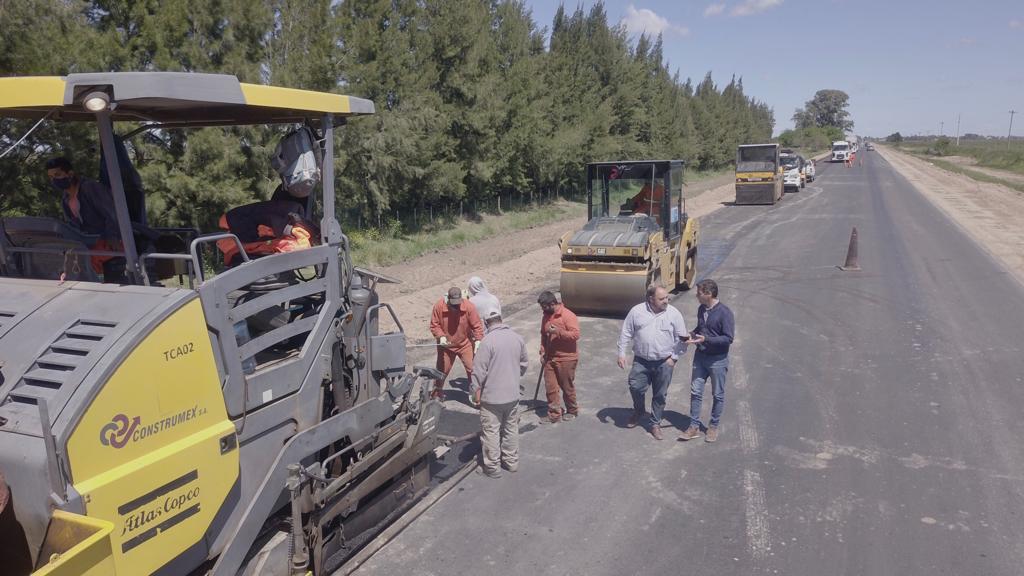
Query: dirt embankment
[516,266]
[991,213]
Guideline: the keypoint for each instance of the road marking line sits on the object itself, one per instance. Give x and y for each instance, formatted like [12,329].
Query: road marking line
[748,432]
[757,515]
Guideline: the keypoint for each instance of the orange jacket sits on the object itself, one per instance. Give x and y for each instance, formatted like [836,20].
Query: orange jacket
[559,343]
[649,202]
[460,325]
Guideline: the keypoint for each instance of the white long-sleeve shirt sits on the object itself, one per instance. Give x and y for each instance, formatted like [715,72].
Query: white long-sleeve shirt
[655,336]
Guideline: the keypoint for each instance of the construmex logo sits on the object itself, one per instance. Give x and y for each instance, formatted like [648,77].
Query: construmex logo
[118,431]
[121,430]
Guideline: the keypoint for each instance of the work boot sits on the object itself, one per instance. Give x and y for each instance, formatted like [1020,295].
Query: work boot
[656,432]
[634,420]
[513,468]
[691,433]
[712,434]
[489,474]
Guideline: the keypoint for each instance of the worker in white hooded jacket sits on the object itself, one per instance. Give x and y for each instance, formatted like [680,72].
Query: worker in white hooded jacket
[480,296]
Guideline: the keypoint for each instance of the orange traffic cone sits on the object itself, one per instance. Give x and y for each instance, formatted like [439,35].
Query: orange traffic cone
[851,254]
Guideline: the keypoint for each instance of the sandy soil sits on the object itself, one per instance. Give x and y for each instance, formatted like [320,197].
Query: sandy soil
[971,163]
[516,267]
[991,213]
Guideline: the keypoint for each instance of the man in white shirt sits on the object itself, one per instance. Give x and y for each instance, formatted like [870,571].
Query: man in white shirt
[659,335]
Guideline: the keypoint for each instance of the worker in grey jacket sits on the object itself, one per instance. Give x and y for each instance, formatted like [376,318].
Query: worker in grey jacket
[498,365]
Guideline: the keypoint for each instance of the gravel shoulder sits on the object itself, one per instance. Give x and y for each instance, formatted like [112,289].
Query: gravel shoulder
[992,214]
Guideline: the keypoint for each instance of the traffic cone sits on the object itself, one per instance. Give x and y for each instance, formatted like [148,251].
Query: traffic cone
[851,254]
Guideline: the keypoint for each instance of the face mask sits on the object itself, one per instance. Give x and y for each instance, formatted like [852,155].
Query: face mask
[61,183]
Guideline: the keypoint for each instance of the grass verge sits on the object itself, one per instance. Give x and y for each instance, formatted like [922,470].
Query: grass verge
[973,174]
[374,248]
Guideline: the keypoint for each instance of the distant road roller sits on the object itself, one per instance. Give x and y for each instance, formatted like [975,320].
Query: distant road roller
[607,266]
[248,420]
[759,174]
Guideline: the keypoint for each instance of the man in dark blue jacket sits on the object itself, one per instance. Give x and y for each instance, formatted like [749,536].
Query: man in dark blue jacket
[713,336]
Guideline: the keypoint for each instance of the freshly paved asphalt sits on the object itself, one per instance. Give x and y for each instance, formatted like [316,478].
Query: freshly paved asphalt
[872,421]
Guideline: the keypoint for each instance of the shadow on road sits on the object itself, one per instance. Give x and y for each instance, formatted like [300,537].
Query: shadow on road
[620,416]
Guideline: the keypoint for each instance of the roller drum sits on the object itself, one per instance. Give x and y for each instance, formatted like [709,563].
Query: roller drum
[603,292]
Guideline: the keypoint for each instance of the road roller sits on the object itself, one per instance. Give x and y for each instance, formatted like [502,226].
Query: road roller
[759,174]
[167,413]
[607,266]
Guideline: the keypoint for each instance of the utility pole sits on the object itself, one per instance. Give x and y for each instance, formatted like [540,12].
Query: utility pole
[958,129]
[941,126]
[1010,131]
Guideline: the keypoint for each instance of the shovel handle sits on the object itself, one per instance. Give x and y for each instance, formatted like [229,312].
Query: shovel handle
[540,377]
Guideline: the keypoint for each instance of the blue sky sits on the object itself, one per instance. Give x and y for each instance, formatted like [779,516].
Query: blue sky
[906,64]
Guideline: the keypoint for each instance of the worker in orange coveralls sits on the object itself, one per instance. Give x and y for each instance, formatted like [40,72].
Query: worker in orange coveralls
[458,329]
[648,201]
[559,334]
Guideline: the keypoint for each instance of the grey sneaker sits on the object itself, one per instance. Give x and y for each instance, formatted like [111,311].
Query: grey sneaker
[712,434]
[568,417]
[691,433]
[513,468]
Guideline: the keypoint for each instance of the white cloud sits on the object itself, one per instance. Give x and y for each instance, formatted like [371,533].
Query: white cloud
[962,42]
[644,21]
[748,7]
[1017,24]
[714,9]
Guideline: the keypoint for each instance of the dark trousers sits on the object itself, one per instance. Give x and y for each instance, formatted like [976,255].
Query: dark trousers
[653,374]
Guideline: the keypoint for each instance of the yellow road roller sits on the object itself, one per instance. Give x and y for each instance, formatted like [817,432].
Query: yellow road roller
[247,419]
[759,174]
[607,266]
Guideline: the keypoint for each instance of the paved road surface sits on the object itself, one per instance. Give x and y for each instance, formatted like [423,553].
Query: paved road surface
[872,423]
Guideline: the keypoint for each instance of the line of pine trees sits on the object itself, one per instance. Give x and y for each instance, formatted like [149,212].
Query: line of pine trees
[474,100]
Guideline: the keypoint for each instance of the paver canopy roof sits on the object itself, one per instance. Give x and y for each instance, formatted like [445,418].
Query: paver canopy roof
[178,97]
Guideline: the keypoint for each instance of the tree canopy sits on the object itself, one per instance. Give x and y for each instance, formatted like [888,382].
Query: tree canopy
[473,98]
[826,109]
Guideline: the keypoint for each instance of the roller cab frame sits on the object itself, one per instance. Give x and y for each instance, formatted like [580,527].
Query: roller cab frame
[638,233]
[252,421]
[759,174]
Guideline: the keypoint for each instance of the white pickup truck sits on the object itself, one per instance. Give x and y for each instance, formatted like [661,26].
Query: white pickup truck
[840,151]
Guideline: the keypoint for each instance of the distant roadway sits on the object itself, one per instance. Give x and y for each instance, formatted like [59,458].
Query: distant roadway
[873,421]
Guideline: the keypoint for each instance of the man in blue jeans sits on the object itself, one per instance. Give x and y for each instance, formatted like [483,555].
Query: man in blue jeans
[713,336]
[658,332]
